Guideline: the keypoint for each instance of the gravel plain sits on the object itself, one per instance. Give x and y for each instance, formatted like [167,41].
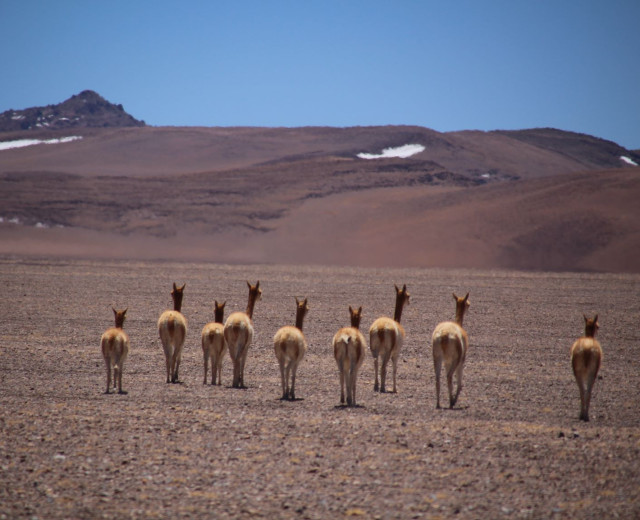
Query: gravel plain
[513,447]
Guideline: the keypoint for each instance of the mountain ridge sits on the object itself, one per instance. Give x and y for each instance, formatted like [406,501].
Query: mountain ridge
[86,109]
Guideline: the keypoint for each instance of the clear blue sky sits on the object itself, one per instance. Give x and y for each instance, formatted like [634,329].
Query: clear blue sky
[446,65]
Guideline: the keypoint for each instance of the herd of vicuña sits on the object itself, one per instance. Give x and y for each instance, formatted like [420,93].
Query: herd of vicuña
[449,343]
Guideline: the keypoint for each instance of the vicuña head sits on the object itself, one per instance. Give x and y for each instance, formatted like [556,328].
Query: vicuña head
[176,295]
[255,294]
[218,311]
[355,316]
[119,316]
[591,326]
[462,304]
[302,307]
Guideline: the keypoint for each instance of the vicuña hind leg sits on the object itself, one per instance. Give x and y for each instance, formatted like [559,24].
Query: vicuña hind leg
[459,378]
[452,398]
[283,380]
[206,367]
[292,390]
[584,415]
[437,365]
[219,370]
[587,397]
[167,358]
[383,372]
[394,360]
[376,385]
[108,363]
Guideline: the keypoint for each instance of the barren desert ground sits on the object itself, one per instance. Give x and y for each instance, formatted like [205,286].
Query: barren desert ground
[513,447]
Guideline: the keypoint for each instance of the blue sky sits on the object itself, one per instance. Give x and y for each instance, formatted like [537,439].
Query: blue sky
[447,65]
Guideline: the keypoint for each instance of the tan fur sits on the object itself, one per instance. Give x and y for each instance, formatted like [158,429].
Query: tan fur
[449,344]
[172,328]
[238,333]
[214,346]
[386,337]
[586,358]
[115,349]
[290,347]
[349,348]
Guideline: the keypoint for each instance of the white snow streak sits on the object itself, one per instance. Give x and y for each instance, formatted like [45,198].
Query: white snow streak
[628,160]
[9,145]
[401,151]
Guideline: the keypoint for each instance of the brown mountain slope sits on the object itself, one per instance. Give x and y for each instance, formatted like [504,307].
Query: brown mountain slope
[152,151]
[576,222]
[302,195]
[586,221]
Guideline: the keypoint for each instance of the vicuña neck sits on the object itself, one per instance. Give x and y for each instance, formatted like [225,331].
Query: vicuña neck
[250,306]
[300,318]
[399,306]
[459,315]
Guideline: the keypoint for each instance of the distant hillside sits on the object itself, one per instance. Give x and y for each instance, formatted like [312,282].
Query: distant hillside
[401,196]
[583,148]
[150,151]
[85,110]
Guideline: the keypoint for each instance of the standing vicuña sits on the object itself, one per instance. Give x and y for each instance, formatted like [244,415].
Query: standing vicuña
[172,327]
[386,336]
[450,343]
[348,348]
[238,333]
[213,345]
[115,348]
[586,356]
[290,346]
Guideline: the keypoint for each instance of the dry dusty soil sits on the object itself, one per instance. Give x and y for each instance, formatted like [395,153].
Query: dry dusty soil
[513,447]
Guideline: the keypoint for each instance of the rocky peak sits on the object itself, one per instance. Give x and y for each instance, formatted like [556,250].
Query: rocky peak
[86,109]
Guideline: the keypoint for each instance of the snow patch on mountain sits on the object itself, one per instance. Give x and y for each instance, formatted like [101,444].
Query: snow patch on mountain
[401,151]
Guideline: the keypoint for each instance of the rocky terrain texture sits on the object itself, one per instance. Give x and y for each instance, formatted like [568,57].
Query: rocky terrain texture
[84,110]
[513,446]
